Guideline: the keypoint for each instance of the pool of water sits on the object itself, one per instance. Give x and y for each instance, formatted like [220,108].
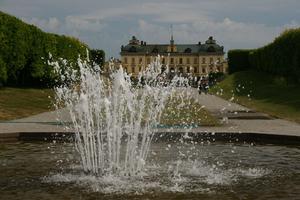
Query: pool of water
[174,170]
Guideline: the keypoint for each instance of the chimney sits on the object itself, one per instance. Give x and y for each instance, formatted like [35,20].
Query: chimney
[199,43]
[142,42]
[145,43]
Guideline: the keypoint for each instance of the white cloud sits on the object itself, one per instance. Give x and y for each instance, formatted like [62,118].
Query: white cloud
[230,33]
[105,24]
[81,23]
[52,24]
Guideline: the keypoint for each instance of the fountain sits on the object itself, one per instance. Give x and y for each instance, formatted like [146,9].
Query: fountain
[105,110]
[119,155]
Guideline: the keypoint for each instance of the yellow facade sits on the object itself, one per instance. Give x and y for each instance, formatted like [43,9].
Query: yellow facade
[195,65]
[136,56]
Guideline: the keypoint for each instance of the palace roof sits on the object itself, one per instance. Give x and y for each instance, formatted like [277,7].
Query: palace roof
[135,46]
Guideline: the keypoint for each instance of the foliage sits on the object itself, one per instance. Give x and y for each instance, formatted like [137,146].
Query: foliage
[281,57]
[97,56]
[215,77]
[3,73]
[24,51]
[238,60]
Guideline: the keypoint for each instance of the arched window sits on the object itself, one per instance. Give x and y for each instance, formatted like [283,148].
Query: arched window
[155,50]
[211,49]
[172,60]
[132,49]
[188,50]
[187,69]
[180,70]
[195,70]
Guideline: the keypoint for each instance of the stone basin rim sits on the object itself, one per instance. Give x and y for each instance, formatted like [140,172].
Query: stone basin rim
[221,136]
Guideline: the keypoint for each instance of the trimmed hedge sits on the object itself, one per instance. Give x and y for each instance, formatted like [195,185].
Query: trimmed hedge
[281,57]
[238,60]
[24,51]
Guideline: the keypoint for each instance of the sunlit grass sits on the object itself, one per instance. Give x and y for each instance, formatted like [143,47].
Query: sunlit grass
[22,102]
[262,92]
[186,112]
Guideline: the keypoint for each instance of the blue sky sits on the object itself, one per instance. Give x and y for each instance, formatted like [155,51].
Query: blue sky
[107,24]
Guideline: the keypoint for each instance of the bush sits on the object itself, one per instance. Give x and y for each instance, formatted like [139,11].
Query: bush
[238,60]
[24,51]
[281,57]
[3,74]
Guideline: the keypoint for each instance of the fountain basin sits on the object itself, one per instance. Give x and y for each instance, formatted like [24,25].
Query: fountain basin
[182,167]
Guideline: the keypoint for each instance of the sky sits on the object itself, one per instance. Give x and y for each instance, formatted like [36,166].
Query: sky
[108,24]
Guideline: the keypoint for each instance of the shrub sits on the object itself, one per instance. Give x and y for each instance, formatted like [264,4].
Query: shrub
[238,60]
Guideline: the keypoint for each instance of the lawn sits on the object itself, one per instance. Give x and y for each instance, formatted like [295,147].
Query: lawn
[262,92]
[22,102]
[186,112]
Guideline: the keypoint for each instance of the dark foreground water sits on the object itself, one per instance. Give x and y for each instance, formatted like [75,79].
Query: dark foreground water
[174,171]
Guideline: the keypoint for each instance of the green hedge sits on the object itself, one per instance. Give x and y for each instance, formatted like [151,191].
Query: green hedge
[24,51]
[238,60]
[281,57]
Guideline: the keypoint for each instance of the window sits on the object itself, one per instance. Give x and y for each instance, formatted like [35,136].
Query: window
[125,60]
[180,60]
[188,50]
[195,70]
[132,49]
[172,60]
[155,50]
[195,60]
[148,60]
[203,60]
[187,60]
[203,70]
[140,68]
[141,60]
[180,70]
[211,60]
[132,70]
[132,60]
[163,61]
[187,69]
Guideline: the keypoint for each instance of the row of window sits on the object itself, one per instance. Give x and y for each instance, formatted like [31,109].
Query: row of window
[180,69]
[172,60]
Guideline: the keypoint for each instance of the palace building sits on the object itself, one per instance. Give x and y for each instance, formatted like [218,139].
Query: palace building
[195,59]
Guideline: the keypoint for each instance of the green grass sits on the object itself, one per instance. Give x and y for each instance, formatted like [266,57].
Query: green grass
[18,103]
[22,102]
[187,113]
[262,92]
